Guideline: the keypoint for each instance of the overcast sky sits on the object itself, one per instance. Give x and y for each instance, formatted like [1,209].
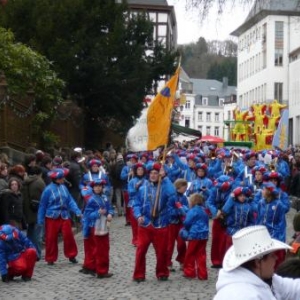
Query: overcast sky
[214,26]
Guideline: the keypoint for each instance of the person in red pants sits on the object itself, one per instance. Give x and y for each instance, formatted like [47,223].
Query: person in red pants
[98,211]
[195,231]
[126,176]
[151,209]
[54,210]
[177,216]
[139,178]
[17,254]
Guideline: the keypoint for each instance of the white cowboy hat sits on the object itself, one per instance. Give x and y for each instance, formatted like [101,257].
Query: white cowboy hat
[250,243]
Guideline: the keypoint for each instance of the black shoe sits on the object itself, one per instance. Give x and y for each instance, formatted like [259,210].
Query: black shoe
[87,271]
[50,263]
[163,278]
[26,278]
[73,260]
[216,266]
[107,275]
[138,280]
[128,224]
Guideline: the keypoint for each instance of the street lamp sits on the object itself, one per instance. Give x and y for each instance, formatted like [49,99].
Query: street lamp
[3,87]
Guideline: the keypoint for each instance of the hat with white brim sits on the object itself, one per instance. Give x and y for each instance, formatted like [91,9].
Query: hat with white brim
[250,243]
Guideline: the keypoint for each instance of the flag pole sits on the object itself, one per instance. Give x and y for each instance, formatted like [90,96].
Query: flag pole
[163,161]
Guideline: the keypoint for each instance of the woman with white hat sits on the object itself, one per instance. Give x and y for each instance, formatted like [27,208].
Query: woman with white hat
[248,269]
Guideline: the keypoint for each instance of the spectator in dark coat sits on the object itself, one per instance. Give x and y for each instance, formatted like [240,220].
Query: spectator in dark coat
[32,190]
[11,210]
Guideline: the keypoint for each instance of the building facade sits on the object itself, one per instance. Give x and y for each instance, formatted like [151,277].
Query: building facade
[208,103]
[163,17]
[269,58]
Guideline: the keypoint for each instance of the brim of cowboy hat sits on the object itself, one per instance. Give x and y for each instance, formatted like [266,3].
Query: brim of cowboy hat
[231,261]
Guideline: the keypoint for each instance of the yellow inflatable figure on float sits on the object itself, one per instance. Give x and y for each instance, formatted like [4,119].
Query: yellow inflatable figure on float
[239,131]
[265,122]
[275,108]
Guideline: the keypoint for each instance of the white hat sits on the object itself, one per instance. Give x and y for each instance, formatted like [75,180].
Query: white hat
[250,243]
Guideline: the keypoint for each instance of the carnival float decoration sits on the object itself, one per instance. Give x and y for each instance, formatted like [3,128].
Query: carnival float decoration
[263,126]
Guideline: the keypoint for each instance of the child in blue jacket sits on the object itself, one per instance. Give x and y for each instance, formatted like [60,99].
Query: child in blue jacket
[195,231]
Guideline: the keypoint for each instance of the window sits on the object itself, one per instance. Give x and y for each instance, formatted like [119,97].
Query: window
[208,130]
[278,93]
[217,131]
[187,122]
[279,36]
[204,101]
[217,117]
[200,128]
[208,117]
[188,104]
[229,115]
[200,116]
[221,101]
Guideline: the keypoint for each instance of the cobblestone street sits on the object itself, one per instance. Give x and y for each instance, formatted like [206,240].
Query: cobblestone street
[63,281]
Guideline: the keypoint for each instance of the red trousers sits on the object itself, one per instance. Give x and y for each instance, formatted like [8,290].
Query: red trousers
[134,228]
[218,245]
[24,265]
[159,238]
[52,228]
[228,242]
[127,209]
[96,253]
[181,245]
[195,260]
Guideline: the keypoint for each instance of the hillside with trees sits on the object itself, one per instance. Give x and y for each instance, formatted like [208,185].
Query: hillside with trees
[210,59]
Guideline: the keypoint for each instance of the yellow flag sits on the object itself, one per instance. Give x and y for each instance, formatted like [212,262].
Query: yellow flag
[160,113]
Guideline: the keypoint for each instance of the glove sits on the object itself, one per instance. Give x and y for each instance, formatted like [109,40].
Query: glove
[178,205]
[5,278]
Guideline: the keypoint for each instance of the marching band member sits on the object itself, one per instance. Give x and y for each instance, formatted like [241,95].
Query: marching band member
[151,209]
[54,211]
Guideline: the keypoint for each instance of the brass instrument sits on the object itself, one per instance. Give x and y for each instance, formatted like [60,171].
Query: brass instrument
[273,165]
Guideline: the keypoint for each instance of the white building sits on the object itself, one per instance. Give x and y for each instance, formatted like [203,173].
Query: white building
[204,106]
[269,58]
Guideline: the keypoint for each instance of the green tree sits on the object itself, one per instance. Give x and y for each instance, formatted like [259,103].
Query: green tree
[108,59]
[26,70]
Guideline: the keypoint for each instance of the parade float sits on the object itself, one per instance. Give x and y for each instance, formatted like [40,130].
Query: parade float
[262,126]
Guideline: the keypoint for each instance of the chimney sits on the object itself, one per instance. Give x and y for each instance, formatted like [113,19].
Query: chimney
[225,82]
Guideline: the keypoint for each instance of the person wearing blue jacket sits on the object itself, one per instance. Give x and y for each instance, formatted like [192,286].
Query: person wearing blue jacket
[187,170]
[139,178]
[54,211]
[238,212]
[195,231]
[173,171]
[95,171]
[202,184]
[126,176]
[178,210]
[271,213]
[216,200]
[151,209]
[17,254]
[98,211]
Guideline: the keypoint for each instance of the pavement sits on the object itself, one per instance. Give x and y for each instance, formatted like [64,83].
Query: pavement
[62,281]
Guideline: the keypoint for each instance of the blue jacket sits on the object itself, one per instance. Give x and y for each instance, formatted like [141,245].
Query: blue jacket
[89,177]
[238,215]
[133,186]
[272,215]
[12,247]
[173,171]
[283,168]
[125,177]
[177,214]
[197,184]
[215,168]
[186,172]
[195,224]
[145,200]
[91,212]
[216,200]
[56,201]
